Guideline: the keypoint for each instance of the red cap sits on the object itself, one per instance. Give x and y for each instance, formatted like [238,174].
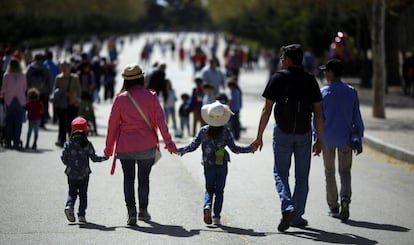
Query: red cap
[80,123]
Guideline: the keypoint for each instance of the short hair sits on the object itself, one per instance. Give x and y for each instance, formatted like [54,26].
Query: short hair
[33,94]
[294,52]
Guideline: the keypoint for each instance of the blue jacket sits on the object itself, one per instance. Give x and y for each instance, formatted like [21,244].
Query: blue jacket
[209,146]
[340,108]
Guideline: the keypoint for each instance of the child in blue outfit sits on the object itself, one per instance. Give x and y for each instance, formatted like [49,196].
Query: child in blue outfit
[76,153]
[213,138]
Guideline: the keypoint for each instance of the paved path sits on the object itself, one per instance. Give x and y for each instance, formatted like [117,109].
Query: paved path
[33,190]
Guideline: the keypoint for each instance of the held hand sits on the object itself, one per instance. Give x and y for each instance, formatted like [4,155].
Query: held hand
[317,148]
[258,143]
[254,148]
[171,147]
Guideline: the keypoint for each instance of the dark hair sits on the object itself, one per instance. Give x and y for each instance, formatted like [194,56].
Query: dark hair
[185,96]
[33,94]
[214,132]
[294,52]
[84,137]
[130,83]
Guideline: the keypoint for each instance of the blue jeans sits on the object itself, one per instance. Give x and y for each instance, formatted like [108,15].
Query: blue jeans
[33,126]
[78,187]
[14,121]
[144,170]
[284,145]
[215,177]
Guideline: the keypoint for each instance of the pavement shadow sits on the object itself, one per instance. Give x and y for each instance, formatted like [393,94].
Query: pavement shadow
[93,226]
[37,151]
[331,237]
[241,231]
[169,230]
[375,226]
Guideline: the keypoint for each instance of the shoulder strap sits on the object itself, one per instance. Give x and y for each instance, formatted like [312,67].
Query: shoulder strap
[139,109]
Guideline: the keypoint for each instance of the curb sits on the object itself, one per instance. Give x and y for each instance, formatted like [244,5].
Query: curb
[391,150]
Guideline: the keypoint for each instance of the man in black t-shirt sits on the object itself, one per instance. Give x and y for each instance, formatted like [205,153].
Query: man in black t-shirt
[296,96]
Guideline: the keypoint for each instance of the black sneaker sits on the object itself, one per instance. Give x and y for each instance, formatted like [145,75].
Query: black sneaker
[144,215]
[344,214]
[132,216]
[132,221]
[300,223]
[287,217]
[334,212]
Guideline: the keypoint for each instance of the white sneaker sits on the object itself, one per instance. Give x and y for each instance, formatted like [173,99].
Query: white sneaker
[216,221]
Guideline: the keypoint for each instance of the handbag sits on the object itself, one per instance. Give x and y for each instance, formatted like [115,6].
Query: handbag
[157,149]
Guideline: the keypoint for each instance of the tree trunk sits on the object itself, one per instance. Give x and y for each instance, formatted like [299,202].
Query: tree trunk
[378,57]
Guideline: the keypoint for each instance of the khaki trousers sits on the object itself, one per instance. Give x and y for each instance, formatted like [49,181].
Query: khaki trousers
[344,170]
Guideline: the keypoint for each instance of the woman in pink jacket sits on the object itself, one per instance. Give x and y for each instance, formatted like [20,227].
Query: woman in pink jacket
[13,91]
[133,140]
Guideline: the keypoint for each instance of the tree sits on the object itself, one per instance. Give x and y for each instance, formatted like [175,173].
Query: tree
[378,57]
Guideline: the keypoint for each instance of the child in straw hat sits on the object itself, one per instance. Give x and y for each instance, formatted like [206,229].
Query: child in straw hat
[213,138]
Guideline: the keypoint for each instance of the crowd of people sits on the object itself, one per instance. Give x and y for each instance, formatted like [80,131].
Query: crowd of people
[62,90]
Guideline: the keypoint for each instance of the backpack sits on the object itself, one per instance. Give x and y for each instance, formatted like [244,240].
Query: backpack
[37,78]
[292,110]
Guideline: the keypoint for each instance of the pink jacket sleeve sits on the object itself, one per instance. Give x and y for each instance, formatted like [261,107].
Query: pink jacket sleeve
[113,128]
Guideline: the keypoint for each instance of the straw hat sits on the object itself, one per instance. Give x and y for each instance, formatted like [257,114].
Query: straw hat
[216,114]
[132,72]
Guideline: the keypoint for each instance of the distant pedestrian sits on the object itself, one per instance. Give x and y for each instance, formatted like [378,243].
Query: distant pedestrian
[109,79]
[157,81]
[184,113]
[340,108]
[35,110]
[209,95]
[235,103]
[13,90]
[408,75]
[169,105]
[213,76]
[297,97]
[196,102]
[53,71]
[38,77]
[213,139]
[75,155]
[199,59]
[67,105]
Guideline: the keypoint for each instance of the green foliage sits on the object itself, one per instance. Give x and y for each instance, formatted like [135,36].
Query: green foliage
[50,19]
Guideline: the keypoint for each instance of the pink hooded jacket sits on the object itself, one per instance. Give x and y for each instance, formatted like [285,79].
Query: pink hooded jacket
[128,130]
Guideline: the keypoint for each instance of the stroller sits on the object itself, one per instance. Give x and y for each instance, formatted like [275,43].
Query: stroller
[86,111]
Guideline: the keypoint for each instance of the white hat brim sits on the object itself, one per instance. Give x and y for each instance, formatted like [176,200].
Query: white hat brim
[215,121]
